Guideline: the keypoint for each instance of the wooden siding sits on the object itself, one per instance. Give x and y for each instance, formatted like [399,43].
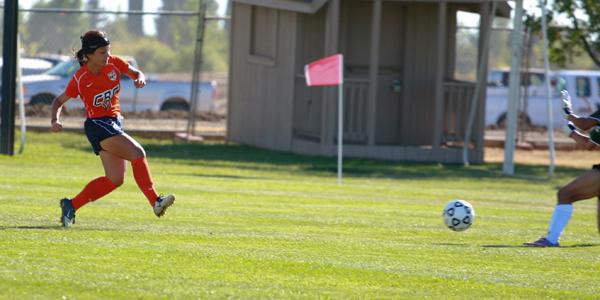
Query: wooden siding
[419,75]
[308,106]
[396,153]
[262,92]
[354,36]
[271,107]
[456,106]
[391,68]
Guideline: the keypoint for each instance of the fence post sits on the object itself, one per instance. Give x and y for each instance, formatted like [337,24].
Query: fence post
[191,126]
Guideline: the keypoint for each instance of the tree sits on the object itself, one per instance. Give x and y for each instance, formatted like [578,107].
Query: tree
[135,22]
[58,33]
[94,20]
[179,33]
[176,30]
[581,34]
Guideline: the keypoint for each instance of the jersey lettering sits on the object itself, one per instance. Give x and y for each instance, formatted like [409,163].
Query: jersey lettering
[103,98]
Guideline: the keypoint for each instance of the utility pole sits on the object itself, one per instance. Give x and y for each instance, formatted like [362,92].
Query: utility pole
[9,72]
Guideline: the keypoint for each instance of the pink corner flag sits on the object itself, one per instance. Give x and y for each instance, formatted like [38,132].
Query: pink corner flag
[325,71]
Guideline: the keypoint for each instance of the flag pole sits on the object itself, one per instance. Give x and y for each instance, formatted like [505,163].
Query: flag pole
[548,90]
[329,71]
[340,131]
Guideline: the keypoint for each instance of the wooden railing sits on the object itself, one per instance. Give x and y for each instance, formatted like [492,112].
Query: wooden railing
[356,95]
[457,102]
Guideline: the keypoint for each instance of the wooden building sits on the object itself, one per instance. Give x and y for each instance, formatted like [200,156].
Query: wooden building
[401,100]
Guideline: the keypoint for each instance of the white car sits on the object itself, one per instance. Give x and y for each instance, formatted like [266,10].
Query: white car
[582,85]
[155,96]
[31,66]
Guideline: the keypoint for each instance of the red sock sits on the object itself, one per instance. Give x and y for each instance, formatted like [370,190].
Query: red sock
[94,190]
[142,176]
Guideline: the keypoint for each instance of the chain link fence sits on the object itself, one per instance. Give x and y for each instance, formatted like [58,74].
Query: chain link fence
[163,44]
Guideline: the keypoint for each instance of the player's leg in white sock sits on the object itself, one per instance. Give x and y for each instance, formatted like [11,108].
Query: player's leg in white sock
[583,187]
[558,222]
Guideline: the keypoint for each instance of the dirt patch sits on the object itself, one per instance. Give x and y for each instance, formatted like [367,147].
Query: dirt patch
[573,158]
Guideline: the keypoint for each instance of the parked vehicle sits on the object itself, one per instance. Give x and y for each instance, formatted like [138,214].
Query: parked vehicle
[31,66]
[55,59]
[155,96]
[583,86]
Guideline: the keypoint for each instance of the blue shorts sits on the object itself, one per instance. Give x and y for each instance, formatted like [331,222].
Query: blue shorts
[99,129]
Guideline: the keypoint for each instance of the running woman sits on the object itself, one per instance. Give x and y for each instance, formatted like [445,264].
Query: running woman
[97,83]
[583,187]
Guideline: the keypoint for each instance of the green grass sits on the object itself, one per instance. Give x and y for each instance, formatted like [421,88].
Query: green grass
[250,223]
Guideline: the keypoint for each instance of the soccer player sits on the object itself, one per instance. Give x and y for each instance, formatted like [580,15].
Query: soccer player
[583,187]
[97,83]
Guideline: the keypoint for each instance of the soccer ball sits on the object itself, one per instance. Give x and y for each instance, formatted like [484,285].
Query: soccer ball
[458,215]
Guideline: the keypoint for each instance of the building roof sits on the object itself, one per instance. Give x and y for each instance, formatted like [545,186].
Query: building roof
[312,6]
[303,6]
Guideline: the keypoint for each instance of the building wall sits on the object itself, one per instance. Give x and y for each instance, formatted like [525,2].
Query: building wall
[263,47]
[270,104]
[419,75]
[391,70]
[355,43]
[308,104]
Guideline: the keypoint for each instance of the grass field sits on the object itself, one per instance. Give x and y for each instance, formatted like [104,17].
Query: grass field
[250,223]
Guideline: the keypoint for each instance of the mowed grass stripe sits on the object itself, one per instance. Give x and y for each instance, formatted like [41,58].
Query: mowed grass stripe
[251,223]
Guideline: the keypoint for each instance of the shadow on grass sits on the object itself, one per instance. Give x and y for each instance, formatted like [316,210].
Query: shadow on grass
[451,244]
[251,158]
[43,227]
[229,176]
[56,227]
[523,246]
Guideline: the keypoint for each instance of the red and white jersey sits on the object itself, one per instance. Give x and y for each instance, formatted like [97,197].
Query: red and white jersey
[100,93]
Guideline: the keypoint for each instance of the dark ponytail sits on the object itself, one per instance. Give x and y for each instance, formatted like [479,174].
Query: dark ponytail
[80,56]
[91,41]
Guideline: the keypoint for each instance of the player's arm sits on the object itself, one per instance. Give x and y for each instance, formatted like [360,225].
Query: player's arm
[139,80]
[582,140]
[583,123]
[57,105]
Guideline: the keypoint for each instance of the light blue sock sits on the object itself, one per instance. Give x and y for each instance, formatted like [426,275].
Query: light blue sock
[560,219]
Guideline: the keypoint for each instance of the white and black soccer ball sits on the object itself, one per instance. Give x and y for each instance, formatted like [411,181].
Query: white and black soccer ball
[458,215]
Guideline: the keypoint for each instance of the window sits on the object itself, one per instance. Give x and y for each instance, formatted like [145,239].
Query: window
[559,83]
[501,79]
[582,84]
[495,79]
[536,79]
[263,35]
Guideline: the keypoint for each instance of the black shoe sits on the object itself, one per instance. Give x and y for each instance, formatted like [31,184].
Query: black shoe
[68,212]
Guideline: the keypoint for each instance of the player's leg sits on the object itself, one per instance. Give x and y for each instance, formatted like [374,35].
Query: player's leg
[114,167]
[123,146]
[583,187]
[114,170]
[128,148]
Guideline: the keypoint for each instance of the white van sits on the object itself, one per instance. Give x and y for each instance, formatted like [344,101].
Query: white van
[583,86]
